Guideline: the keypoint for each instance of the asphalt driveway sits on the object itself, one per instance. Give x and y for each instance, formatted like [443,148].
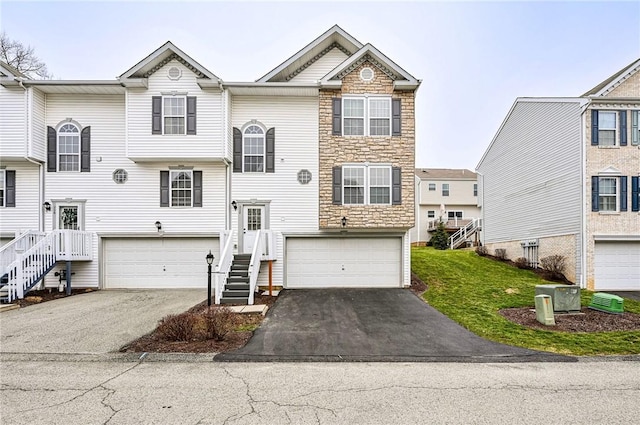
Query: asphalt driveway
[368,325]
[92,323]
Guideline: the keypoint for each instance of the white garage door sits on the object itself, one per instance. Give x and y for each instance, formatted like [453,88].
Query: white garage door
[157,262]
[343,262]
[617,266]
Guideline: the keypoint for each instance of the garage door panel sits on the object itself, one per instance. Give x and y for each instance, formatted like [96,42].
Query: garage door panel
[157,263]
[343,262]
[617,266]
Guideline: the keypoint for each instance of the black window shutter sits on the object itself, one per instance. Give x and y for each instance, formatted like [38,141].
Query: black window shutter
[396,116]
[197,188]
[594,193]
[594,129]
[237,150]
[337,116]
[635,193]
[191,114]
[623,193]
[270,151]
[337,186]
[52,150]
[396,185]
[623,127]
[10,182]
[85,150]
[156,115]
[164,188]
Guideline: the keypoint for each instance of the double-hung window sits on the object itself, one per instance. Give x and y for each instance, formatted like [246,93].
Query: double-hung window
[181,188]
[366,185]
[607,128]
[3,190]
[432,186]
[607,194]
[69,148]
[445,189]
[475,189]
[370,116]
[253,147]
[174,113]
[635,127]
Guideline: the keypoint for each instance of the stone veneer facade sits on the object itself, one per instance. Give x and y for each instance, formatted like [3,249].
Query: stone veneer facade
[399,151]
[624,158]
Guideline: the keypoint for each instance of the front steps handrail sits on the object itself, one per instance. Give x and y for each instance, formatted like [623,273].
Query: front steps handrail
[22,243]
[31,266]
[464,232]
[224,265]
[254,265]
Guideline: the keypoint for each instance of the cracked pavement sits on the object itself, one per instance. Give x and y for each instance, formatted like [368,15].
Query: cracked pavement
[121,392]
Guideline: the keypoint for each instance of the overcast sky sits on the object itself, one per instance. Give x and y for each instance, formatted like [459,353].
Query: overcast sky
[474,58]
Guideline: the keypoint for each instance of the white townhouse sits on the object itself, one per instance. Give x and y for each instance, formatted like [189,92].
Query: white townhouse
[561,176]
[301,179]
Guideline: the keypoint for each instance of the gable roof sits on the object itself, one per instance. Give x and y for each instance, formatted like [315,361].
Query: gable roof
[445,174]
[334,37]
[401,78]
[615,80]
[159,57]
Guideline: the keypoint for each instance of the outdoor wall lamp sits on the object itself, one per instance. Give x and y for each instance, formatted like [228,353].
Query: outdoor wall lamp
[234,204]
[47,206]
[210,258]
[158,226]
[344,221]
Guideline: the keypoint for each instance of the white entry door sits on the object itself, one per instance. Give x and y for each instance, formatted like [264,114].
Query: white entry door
[253,221]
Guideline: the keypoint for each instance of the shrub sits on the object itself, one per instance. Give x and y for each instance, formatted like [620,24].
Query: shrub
[501,253]
[218,322]
[440,238]
[522,263]
[177,327]
[554,263]
[482,251]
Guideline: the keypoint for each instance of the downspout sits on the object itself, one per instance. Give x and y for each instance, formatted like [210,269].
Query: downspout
[583,183]
[481,189]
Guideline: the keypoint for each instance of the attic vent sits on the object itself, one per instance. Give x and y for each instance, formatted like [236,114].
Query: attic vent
[366,74]
[174,73]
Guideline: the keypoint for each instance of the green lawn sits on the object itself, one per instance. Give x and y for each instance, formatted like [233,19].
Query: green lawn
[471,289]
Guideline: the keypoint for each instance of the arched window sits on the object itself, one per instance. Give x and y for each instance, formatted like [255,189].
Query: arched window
[69,148]
[253,149]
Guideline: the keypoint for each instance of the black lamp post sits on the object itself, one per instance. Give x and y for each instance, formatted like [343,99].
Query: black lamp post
[210,258]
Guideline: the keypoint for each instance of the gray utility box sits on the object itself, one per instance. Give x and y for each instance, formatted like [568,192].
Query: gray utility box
[563,297]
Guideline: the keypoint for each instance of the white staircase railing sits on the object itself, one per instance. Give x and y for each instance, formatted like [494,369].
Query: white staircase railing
[224,264]
[32,265]
[254,264]
[24,242]
[463,233]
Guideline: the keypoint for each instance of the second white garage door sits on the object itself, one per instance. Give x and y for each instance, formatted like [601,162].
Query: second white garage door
[157,262]
[344,262]
[617,266]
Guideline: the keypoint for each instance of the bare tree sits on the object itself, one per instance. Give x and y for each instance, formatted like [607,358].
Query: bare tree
[23,58]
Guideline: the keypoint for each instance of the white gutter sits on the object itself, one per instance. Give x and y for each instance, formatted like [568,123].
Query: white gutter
[583,218]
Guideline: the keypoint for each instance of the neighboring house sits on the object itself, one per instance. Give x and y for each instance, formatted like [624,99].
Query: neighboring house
[139,177]
[447,195]
[561,177]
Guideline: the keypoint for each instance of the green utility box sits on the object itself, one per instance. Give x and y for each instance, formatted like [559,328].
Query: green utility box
[608,303]
[563,297]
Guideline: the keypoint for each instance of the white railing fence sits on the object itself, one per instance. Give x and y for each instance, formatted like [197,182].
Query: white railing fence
[23,242]
[464,232]
[31,265]
[254,265]
[224,264]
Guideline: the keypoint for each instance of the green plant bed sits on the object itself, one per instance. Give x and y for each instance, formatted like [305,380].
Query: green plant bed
[472,290]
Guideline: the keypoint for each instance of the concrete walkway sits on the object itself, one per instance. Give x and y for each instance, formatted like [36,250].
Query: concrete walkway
[368,325]
[96,322]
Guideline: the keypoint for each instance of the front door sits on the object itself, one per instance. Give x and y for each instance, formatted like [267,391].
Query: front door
[253,221]
[70,217]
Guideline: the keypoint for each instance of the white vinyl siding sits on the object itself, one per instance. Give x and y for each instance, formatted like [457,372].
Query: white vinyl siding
[13,131]
[38,127]
[206,145]
[344,262]
[321,67]
[24,216]
[532,183]
[293,206]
